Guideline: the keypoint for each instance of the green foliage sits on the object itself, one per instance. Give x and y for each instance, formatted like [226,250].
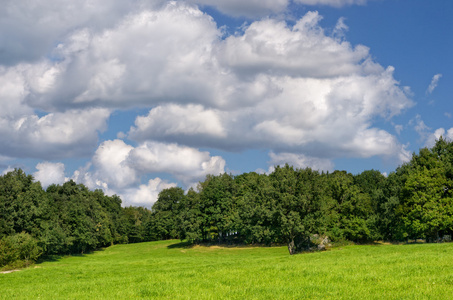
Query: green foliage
[66,219]
[19,250]
[291,205]
[257,215]
[190,217]
[217,207]
[22,202]
[136,222]
[426,196]
[166,214]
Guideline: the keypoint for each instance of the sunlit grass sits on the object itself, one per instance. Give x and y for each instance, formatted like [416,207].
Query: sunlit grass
[164,270]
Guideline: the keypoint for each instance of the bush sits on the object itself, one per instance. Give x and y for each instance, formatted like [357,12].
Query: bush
[19,250]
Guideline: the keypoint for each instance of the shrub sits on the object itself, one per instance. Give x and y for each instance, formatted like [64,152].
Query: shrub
[19,250]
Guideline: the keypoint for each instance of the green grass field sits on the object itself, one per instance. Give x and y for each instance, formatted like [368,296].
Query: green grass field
[166,270]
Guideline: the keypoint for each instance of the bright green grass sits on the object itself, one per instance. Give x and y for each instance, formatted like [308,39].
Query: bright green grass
[154,270]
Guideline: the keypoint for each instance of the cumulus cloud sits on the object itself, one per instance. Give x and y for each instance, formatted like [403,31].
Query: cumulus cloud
[110,162]
[50,173]
[54,135]
[29,29]
[440,132]
[433,83]
[68,134]
[179,121]
[186,164]
[118,168]
[271,46]
[6,170]
[427,136]
[146,194]
[24,133]
[13,92]
[295,90]
[307,96]
[133,193]
[322,117]
[171,61]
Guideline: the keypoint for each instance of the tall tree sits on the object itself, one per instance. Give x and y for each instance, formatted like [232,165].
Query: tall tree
[22,203]
[291,228]
[217,207]
[256,213]
[426,208]
[166,213]
[353,207]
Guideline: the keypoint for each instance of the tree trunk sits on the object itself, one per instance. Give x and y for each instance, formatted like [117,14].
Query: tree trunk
[291,247]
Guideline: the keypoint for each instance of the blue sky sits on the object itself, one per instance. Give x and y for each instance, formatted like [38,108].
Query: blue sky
[134,97]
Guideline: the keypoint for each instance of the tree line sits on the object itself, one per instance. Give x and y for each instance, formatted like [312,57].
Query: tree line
[63,219]
[297,207]
[300,207]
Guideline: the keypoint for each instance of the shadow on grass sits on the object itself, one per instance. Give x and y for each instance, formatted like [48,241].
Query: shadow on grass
[57,257]
[23,264]
[188,245]
[182,245]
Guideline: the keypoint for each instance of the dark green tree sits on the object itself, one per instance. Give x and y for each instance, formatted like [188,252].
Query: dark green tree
[290,206]
[353,208]
[256,214]
[217,207]
[166,213]
[426,208]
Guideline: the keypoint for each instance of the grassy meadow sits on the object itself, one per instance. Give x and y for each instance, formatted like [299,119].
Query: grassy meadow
[168,270]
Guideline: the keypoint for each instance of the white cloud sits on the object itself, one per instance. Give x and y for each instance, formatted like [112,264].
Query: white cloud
[7,170]
[249,8]
[340,29]
[335,3]
[24,133]
[398,128]
[186,164]
[50,173]
[29,29]
[299,161]
[71,133]
[271,46]
[171,61]
[420,127]
[13,92]
[322,117]
[291,89]
[440,132]
[111,164]
[179,121]
[433,83]
[146,194]
[117,168]
[131,192]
